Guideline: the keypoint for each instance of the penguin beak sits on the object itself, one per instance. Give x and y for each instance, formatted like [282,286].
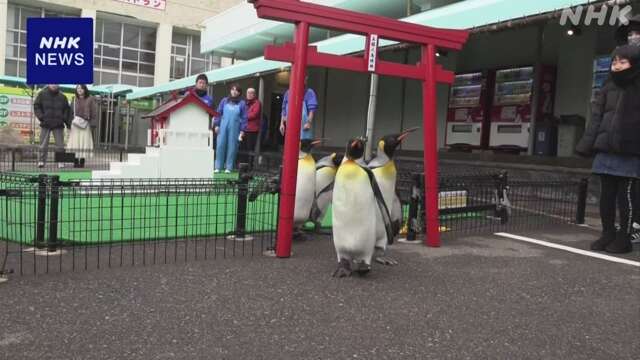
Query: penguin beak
[406,133]
[318,141]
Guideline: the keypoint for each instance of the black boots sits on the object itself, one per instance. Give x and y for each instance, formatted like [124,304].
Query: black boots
[621,244]
[604,240]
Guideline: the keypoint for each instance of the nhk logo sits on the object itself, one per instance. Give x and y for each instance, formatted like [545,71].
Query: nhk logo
[4,99]
[59,50]
[618,14]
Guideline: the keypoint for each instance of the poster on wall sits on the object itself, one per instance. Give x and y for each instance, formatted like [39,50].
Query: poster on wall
[15,112]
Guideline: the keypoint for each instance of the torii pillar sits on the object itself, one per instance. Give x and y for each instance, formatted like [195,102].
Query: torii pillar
[301,55]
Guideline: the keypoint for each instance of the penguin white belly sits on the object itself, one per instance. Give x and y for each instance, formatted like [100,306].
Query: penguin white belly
[324,177]
[386,178]
[354,213]
[305,190]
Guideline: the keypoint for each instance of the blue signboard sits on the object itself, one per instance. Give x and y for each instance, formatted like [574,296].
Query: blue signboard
[59,51]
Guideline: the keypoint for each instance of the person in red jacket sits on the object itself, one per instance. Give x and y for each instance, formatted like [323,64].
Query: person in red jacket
[254,115]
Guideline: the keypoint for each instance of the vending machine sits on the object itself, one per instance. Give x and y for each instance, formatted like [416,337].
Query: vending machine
[466,110]
[512,105]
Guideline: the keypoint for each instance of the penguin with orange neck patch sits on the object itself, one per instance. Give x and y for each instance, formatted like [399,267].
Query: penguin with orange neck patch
[356,201]
[326,169]
[384,169]
[305,184]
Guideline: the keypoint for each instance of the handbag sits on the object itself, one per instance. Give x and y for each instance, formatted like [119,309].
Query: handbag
[77,120]
[80,122]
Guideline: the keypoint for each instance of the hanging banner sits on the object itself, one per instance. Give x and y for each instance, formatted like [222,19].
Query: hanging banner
[154,4]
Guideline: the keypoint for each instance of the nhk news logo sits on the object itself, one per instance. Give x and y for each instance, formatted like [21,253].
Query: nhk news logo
[59,50]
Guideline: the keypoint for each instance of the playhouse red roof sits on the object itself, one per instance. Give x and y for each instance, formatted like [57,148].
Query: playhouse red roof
[174,104]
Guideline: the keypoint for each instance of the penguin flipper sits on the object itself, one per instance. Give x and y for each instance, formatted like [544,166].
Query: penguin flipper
[384,210]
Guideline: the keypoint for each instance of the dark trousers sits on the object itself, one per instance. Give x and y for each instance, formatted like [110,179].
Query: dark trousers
[618,192]
[58,136]
[248,145]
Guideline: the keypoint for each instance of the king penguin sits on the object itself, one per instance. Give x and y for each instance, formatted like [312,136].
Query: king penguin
[326,169]
[305,183]
[356,199]
[384,169]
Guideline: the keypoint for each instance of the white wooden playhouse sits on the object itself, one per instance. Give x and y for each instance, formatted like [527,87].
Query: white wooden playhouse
[179,144]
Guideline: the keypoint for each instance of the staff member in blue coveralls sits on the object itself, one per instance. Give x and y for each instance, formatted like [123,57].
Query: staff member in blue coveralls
[229,125]
[201,89]
[309,107]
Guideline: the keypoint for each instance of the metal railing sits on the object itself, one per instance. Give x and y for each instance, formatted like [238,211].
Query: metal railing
[47,224]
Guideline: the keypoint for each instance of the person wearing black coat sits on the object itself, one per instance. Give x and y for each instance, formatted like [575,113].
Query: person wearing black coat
[630,34]
[613,135]
[52,109]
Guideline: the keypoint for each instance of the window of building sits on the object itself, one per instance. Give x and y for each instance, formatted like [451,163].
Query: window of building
[186,58]
[16,49]
[124,53]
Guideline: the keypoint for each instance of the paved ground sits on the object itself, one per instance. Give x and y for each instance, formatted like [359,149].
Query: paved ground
[474,298]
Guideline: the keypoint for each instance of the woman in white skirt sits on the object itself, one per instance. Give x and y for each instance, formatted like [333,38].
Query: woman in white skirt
[84,116]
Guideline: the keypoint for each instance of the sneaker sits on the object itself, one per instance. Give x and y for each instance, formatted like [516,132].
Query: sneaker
[216,171]
[605,239]
[621,244]
[41,164]
[227,171]
[635,233]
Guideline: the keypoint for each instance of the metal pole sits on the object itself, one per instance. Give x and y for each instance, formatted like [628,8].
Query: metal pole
[126,133]
[537,76]
[371,114]
[583,191]
[430,134]
[292,142]
[52,242]
[261,100]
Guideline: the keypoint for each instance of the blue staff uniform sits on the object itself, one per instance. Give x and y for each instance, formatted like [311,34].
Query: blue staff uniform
[309,103]
[232,119]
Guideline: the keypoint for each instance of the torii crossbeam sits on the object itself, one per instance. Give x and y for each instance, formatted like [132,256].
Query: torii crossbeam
[301,55]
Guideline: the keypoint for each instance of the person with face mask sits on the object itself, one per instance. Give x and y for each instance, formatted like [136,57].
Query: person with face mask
[52,109]
[230,126]
[612,135]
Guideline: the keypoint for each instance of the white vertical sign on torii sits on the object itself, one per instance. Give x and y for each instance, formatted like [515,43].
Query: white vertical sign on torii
[373,52]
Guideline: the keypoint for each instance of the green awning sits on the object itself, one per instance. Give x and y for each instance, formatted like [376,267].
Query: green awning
[462,15]
[114,89]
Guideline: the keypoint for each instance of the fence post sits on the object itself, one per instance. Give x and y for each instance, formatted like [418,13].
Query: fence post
[41,211]
[243,191]
[413,208]
[13,159]
[582,200]
[53,214]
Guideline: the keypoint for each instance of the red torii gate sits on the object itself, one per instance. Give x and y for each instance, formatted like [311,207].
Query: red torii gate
[301,55]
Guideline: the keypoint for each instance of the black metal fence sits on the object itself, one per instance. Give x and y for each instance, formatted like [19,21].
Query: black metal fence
[51,225]
[488,203]
[26,158]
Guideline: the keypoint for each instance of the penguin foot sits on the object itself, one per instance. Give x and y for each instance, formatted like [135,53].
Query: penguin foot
[386,260]
[362,268]
[343,270]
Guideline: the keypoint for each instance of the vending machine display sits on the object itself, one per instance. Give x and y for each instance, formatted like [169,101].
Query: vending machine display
[466,113]
[601,69]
